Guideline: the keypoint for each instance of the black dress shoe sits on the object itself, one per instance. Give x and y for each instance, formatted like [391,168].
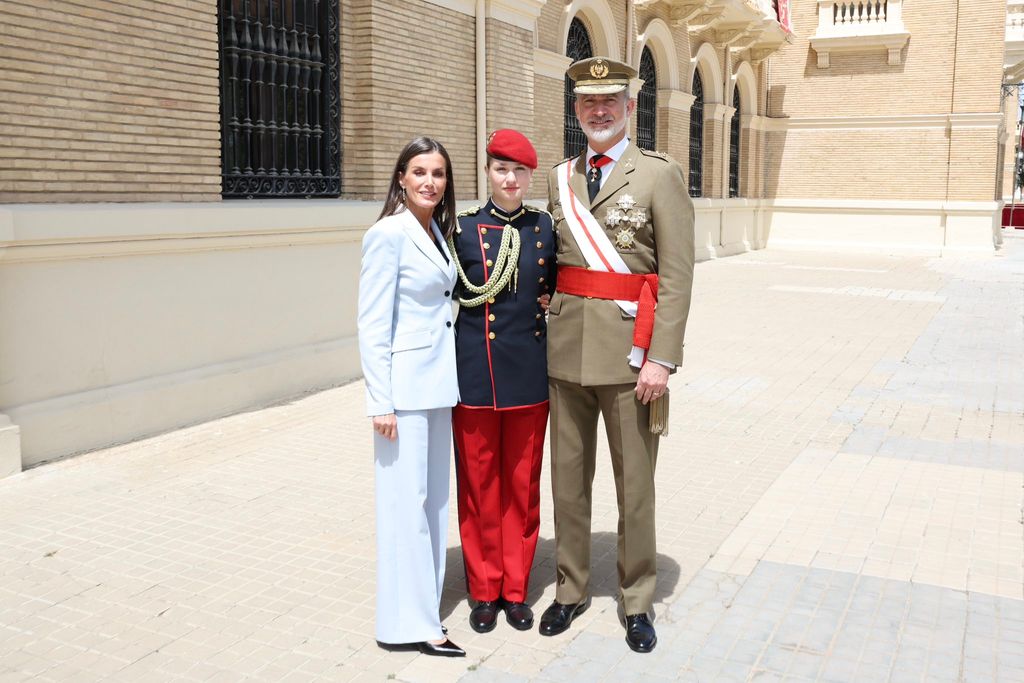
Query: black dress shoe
[518,615]
[484,616]
[445,649]
[640,635]
[557,617]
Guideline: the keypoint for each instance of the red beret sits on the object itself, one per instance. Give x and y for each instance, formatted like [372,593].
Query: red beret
[512,145]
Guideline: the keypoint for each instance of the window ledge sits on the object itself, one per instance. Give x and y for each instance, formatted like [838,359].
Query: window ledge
[892,39]
[859,26]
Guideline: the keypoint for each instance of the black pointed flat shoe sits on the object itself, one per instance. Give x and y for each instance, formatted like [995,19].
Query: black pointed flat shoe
[640,634]
[557,617]
[445,649]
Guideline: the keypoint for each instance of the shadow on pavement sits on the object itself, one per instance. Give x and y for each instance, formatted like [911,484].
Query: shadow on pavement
[604,579]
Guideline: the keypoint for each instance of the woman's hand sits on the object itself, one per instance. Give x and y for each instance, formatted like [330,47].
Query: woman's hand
[545,302]
[386,426]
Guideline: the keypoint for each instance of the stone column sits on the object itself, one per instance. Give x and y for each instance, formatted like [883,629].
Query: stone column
[674,124]
[716,149]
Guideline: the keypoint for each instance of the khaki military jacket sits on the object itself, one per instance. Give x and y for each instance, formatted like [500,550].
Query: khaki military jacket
[589,339]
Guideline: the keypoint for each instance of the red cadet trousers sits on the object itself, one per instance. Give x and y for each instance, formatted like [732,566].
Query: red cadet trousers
[498,460]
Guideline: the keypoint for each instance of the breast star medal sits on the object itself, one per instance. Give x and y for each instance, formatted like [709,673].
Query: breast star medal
[628,218]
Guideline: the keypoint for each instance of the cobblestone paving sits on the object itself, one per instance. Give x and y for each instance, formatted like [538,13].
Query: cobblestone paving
[839,500]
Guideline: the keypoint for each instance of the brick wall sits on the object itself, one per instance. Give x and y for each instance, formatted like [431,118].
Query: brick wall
[857,164]
[109,100]
[891,163]
[402,78]
[509,77]
[547,120]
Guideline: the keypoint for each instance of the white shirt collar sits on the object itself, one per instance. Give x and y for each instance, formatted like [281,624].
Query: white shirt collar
[615,152]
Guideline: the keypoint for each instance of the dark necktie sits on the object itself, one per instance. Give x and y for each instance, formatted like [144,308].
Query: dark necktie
[594,175]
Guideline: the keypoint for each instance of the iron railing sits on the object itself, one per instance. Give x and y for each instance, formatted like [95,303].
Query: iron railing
[280,98]
[647,103]
[734,146]
[577,47]
[697,138]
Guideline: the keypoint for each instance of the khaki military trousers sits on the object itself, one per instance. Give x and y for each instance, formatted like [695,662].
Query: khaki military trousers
[634,451]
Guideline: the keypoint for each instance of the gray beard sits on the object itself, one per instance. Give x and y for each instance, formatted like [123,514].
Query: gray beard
[605,134]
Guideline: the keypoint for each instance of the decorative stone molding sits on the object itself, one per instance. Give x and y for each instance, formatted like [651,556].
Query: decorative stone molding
[706,59]
[521,13]
[988,121]
[550,64]
[753,122]
[1013,60]
[717,111]
[858,26]
[745,80]
[729,35]
[604,35]
[658,36]
[460,6]
[675,100]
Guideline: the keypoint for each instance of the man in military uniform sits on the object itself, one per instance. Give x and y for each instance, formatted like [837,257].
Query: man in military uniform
[505,253]
[616,325]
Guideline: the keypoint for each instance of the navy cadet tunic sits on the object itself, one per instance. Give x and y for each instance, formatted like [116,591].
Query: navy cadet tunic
[501,345]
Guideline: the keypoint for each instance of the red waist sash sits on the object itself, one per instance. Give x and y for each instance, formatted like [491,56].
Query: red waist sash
[598,284]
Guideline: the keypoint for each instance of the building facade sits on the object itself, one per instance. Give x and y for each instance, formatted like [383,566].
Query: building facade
[185,183]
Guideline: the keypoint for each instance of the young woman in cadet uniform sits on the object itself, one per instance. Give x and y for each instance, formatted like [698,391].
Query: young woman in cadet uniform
[505,255]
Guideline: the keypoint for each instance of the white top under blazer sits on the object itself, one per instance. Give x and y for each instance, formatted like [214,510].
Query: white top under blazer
[406,337]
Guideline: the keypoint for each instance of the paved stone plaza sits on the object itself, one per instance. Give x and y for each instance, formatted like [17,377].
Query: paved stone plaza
[840,499]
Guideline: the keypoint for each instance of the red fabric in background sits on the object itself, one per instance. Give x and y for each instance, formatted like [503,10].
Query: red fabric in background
[1013,215]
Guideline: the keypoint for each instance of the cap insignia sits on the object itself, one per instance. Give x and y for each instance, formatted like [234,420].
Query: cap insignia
[599,69]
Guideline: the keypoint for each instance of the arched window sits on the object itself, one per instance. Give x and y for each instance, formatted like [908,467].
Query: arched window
[577,47]
[734,146]
[647,102]
[697,137]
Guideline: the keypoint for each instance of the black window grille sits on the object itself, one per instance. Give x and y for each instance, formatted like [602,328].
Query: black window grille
[697,137]
[577,47]
[734,146]
[647,102]
[280,98]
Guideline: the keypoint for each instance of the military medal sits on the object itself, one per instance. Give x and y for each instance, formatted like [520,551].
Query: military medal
[628,218]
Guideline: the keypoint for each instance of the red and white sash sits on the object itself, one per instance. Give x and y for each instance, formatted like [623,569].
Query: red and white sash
[593,241]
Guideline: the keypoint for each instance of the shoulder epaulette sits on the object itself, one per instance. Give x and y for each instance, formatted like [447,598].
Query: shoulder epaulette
[469,212]
[544,212]
[656,154]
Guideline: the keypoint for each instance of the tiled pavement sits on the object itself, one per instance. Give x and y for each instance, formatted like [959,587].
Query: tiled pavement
[839,499]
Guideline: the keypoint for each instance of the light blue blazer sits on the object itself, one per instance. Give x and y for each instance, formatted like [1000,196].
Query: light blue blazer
[406,337]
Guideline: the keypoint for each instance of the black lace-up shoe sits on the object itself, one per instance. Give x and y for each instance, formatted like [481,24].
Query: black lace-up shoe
[557,617]
[484,616]
[518,615]
[640,635]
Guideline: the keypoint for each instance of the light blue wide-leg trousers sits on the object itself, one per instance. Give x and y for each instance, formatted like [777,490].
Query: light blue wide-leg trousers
[411,475]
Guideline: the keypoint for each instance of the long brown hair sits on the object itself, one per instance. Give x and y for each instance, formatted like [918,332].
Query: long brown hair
[444,212]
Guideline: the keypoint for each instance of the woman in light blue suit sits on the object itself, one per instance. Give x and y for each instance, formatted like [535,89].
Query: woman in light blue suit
[407,348]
